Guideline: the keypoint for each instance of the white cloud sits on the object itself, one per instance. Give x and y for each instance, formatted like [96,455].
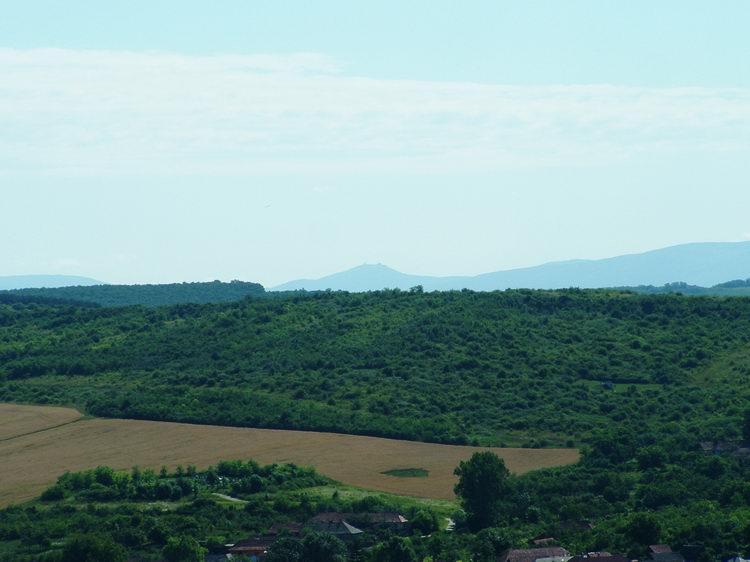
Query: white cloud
[100,113]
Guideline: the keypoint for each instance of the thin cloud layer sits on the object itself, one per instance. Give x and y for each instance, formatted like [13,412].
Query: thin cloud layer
[103,113]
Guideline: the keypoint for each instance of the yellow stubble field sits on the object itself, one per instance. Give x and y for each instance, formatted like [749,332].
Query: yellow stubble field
[32,457]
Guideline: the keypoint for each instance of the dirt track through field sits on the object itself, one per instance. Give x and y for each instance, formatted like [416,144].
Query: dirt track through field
[30,462]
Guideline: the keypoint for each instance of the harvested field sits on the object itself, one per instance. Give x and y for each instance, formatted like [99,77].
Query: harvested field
[29,463]
[18,420]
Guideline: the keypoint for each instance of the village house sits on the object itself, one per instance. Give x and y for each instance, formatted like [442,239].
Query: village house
[599,557]
[546,554]
[391,521]
[334,524]
[254,549]
[664,553]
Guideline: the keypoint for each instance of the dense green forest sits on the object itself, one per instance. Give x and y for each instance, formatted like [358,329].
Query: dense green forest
[148,295]
[490,368]
[637,380]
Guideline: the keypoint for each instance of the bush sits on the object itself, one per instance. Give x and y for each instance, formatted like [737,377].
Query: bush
[92,548]
[53,493]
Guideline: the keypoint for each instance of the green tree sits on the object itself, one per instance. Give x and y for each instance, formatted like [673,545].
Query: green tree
[395,549]
[425,521]
[286,549]
[651,457]
[322,547]
[644,529]
[183,549]
[489,543]
[746,427]
[482,482]
[92,548]
[53,493]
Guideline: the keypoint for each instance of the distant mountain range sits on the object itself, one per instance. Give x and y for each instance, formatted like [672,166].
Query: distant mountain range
[50,281]
[702,265]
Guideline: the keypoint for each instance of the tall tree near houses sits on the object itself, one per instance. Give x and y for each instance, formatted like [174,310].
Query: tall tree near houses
[482,482]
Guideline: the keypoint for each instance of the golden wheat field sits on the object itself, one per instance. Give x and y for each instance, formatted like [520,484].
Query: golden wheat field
[29,462]
[16,419]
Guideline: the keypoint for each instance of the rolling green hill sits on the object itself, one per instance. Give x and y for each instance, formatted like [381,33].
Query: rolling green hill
[637,380]
[149,295]
[513,367]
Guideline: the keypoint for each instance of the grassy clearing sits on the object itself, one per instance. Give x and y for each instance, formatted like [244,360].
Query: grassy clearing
[623,387]
[731,369]
[444,508]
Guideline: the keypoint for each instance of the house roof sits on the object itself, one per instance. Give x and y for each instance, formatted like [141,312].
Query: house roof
[375,517]
[667,557]
[599,557]
[533,554]
[257,545]
[663,553]
[335,528]
[381,517]
[328,517]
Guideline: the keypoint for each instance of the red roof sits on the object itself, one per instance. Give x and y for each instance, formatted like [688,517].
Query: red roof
[659,548]
[541,540]
[257,545]
[532,554]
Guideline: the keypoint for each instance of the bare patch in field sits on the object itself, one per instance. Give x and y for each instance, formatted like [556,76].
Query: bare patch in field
[32,462]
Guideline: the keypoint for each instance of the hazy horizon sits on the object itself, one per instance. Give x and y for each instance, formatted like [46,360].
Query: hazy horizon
[267,143]
[385,266]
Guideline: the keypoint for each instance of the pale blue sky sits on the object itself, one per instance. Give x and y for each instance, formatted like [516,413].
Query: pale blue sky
[164,141]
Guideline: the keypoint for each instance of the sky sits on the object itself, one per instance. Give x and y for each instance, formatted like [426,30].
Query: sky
[266,141]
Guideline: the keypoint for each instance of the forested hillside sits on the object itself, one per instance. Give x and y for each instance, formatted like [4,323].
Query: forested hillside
[637,380]
[519,367]
[150,295]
